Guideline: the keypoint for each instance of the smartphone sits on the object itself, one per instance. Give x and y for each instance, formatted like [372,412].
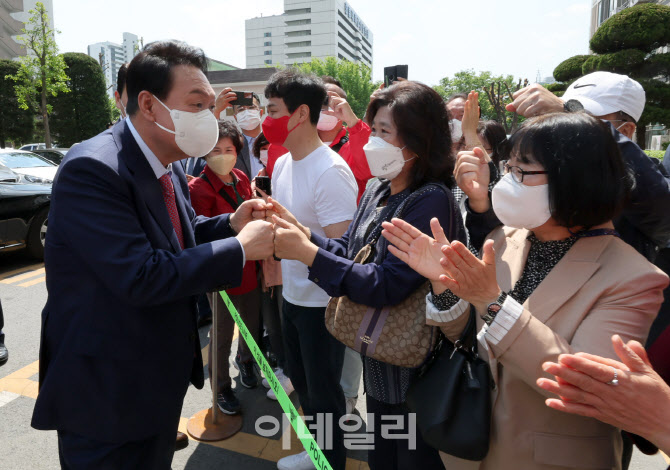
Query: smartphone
[391,74]
[244,98]
[264,184]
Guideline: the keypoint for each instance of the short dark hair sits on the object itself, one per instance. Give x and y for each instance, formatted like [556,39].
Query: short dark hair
[121,78]
[297,88]
[422,122]
[327,79]
[230,130]
[260,141]
[456,96]
[589,183]
[151,69]
[495,135]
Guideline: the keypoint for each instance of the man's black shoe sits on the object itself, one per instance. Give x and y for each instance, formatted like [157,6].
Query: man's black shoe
[4,354]
[181,442]
[247,373]
[228,402]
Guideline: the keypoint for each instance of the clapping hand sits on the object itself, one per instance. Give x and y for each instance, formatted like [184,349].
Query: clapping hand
[421,252]
[473,176]
[470,121]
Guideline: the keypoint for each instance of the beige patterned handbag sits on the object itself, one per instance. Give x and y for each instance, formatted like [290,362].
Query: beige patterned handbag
[397,334]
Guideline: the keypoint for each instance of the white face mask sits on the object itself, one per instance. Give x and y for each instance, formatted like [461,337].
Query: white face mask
[326,122]
[264,157]
[249,119]
[385,160]
[196,134]
[520,206]
[456,128]
[222,164]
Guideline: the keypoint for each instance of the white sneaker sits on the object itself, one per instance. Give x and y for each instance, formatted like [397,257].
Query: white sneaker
[351,405]
[278,371]
[299,461]
[285,383]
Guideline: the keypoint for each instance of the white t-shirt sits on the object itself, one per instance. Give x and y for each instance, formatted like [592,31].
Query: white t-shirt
[319,190]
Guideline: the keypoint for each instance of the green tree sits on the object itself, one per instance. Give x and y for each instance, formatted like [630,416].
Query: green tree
[16,124]
[42,70]
[629,43]
[468,80]
[85,112]
[356,79]
[116,114]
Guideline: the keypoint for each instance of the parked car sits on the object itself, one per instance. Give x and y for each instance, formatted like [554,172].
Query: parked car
[24,210]
[33,168]
[55,155]
[31,147]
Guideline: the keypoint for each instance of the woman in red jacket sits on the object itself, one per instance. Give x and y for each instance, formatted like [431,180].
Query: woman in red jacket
[220,189]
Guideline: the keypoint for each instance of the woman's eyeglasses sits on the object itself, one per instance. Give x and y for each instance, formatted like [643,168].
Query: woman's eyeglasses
[517,173]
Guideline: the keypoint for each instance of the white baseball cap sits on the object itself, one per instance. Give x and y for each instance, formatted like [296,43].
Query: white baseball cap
[602,93]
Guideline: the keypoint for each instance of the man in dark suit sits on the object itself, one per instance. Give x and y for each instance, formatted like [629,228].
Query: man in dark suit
[125,258]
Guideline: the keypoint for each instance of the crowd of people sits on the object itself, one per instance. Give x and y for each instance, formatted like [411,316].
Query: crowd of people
[545,239]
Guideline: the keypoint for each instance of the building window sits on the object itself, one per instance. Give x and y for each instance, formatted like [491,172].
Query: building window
[299,44]
[298,11]
[268,62]
[298,22]
[267,43]
[297,55]
[305,32]
[267,53]
[267,35]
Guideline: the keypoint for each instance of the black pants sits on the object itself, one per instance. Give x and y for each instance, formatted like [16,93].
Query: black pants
[271,306]
[2,324]
[314,364]
[81,453]
[392,454]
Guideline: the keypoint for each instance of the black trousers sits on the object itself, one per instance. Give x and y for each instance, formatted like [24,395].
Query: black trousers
[2,324]
[395,454]
[314,364]
[82,453]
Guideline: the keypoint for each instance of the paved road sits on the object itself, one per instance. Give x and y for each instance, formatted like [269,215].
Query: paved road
[23,294]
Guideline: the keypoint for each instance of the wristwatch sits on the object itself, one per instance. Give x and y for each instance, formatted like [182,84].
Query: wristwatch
[573,106]
[493,309]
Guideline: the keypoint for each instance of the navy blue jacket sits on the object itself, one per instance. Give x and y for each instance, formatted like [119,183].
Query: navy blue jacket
[119,340]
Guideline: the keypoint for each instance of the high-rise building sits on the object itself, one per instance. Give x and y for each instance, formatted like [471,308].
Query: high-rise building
[112,56]
[601,10]
[307,30]
[14,14]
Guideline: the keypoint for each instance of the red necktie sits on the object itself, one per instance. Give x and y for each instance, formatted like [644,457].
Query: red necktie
[170,203]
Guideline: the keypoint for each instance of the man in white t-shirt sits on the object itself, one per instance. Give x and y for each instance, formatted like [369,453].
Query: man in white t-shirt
[316,185]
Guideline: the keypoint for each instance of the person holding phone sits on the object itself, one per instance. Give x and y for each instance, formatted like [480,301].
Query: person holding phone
[248,116]
[220,189]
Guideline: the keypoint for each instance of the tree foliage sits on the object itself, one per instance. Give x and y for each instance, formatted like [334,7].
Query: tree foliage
[571,68]
[645,26]
[356,79]
[16,124]
[468,80]
[42,72]
[85,112]
[627,61]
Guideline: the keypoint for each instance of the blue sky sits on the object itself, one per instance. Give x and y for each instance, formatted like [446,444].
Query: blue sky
[436,38]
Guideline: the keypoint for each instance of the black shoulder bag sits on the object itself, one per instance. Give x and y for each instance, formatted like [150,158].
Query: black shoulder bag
[452,400]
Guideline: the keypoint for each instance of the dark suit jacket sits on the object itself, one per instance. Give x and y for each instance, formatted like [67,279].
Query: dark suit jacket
[244,160]
[119,340]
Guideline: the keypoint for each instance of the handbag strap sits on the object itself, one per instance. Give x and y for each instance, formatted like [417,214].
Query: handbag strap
[223,193]
[399,212]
